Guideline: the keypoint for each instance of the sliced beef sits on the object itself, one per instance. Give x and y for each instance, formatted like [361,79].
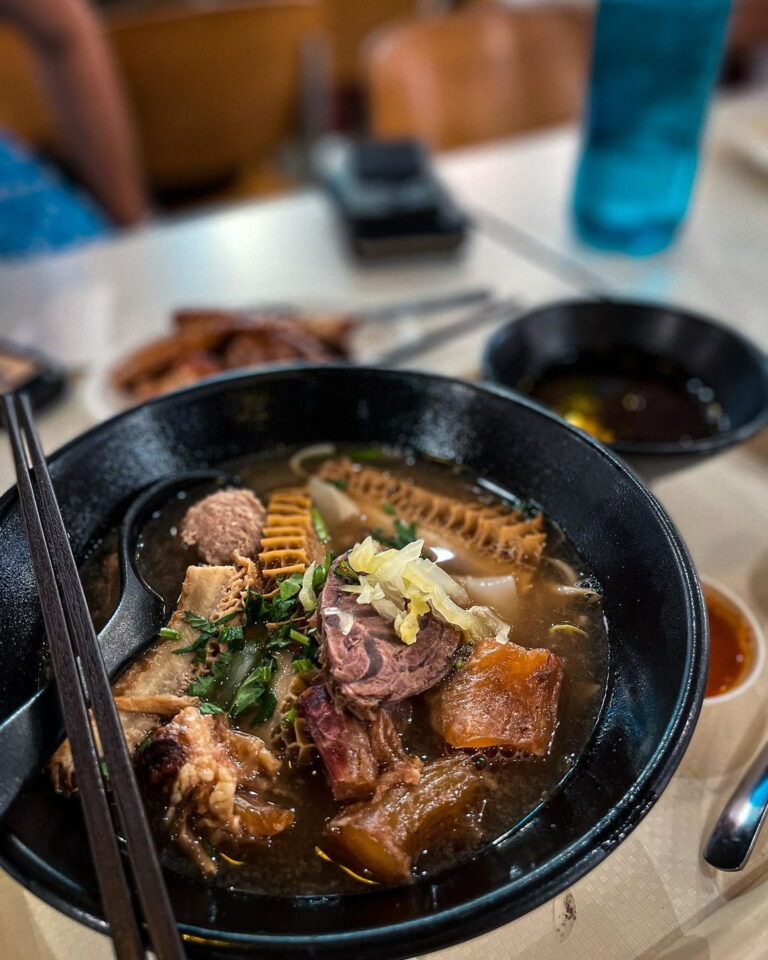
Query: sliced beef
[224,523]
[369,666]
[342,742]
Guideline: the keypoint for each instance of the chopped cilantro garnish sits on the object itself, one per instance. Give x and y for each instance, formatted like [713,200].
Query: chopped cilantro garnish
[290,715]
[345,571]
[388,508]
[290,586]
[266,708]
[405,533]
[145,744]
[231,636]
[202,687]
[339,484]
[253,689]
[209,707]
[103,767]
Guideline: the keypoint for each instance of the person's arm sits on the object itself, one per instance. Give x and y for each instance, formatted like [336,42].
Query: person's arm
[96,131]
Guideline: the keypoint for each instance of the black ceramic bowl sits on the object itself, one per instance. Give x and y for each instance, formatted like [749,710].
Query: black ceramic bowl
[736,370]
[658,646]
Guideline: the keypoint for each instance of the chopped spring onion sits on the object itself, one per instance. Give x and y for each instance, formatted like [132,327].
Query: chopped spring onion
[168,633]
[302,665]
[319,525]
[290,715]
[307,595]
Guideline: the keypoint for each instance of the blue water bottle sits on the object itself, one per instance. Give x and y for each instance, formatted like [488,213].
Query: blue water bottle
[654,65]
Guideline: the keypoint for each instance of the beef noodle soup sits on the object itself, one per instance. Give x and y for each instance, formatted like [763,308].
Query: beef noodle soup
[376,665]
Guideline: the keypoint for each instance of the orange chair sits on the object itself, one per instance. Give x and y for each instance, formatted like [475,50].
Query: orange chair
[24,106]
[214,90]
[478,73]
[350,22]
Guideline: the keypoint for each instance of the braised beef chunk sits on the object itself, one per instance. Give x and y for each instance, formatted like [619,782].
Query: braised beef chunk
[504,696]
[367,664]
[224,523]
[358,756]
[342,742]
[380,837]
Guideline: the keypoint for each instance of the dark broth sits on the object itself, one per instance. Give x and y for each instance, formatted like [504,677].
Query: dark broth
[290,865]
[631,396]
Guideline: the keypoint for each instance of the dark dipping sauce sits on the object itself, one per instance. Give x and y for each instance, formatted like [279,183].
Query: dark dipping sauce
[288,864]
[630,396]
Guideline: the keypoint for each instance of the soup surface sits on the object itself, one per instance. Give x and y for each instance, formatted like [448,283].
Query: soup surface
[552,607]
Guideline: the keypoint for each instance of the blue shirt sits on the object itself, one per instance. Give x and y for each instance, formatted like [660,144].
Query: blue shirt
[39,211]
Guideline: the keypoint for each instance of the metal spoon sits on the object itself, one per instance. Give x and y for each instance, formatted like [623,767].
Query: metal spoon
[735,833]
[28,736]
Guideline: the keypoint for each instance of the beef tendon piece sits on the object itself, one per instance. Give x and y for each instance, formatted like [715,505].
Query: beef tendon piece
[380,837]
[224,523]
[504,696]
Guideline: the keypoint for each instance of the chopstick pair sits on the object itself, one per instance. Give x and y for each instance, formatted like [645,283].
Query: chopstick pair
[82,681]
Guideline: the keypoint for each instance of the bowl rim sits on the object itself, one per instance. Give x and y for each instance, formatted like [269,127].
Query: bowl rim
[508,901]
[704,445]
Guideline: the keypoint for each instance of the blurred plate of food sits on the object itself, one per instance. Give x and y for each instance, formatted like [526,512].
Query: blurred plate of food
[204,343]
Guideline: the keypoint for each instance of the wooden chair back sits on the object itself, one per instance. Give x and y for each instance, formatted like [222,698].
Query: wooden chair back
[350,22]
[24,106]
[213,89]
[478,73]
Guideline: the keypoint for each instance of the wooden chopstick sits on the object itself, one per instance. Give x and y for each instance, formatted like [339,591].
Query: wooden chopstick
[78,664]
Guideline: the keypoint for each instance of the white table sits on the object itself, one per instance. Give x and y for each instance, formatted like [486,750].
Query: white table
[652,898]
[719,264]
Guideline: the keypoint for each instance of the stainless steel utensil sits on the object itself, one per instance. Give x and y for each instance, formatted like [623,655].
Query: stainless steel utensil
[735,833]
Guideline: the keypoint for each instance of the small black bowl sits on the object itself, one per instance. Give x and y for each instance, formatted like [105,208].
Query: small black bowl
[735,369]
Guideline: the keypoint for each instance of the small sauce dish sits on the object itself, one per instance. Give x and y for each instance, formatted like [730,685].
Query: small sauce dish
[737,644]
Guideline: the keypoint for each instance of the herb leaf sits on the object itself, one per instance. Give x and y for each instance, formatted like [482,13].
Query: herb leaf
[202,687]
[404,534]
[209,707]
